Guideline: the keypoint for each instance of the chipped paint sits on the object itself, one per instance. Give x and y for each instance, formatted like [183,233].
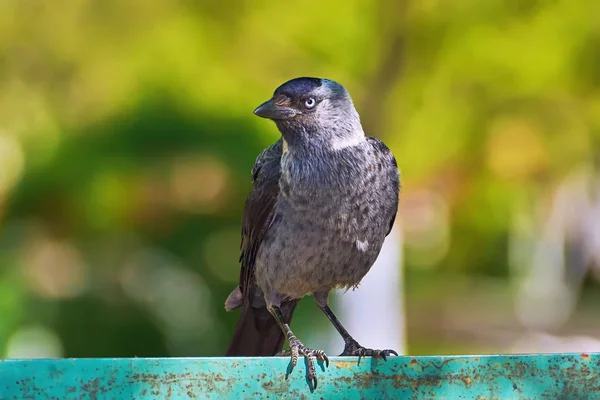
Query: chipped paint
[571,376]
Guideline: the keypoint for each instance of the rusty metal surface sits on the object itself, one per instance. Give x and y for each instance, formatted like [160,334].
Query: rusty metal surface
[555,376]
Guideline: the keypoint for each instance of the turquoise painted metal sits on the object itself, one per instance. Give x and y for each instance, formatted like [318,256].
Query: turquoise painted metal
[550,376]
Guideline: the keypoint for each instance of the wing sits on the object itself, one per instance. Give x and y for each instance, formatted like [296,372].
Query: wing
[258,210]
[389,167]
[257,332]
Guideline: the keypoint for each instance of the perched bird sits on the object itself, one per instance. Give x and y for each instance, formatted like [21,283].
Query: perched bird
[324,198]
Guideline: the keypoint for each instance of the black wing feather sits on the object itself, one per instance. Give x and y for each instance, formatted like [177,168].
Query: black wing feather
[390,166]
[257,333]
[258,210]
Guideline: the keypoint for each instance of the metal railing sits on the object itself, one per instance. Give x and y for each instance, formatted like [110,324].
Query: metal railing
[535,376]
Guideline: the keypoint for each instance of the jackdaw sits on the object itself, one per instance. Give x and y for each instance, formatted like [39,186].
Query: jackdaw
[324,198]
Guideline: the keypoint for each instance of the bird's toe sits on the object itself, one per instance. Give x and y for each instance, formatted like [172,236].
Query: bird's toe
[354,349]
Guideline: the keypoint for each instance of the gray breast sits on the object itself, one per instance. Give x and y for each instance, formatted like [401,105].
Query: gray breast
[329,224]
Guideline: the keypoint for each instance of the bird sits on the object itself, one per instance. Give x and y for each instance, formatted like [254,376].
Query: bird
[324,197]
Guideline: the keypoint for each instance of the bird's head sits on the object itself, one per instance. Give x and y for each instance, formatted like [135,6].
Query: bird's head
[311,110]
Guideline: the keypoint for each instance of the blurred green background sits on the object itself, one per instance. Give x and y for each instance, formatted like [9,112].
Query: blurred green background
[127,139]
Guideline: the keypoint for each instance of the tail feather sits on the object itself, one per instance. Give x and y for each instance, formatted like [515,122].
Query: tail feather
[257,334]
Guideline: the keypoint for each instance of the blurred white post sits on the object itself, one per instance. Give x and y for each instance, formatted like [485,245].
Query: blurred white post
[374,313]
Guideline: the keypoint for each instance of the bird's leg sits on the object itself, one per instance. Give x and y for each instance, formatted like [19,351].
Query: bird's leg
[352,347]
[297,347]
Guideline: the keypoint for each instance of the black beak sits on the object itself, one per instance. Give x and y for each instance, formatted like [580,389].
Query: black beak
[270,110]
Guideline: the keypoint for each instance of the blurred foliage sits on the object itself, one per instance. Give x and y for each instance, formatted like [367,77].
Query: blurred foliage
[127,137]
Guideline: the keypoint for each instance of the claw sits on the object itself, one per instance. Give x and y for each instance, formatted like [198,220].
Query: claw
[354,349]
[297,349]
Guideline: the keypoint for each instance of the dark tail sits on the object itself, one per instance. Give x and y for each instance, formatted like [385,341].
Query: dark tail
[257,332]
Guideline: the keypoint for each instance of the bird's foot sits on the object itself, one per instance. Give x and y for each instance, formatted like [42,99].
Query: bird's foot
[297,349]
[352,348]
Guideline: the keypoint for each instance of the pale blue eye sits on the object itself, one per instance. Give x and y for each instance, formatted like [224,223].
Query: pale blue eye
[310,103]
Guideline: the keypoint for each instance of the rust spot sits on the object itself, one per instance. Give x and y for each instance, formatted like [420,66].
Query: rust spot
[466,380]
[345,379]
[344,364]
[515,387]
[413,361]
[363,380]
[585,355]
[191,394]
